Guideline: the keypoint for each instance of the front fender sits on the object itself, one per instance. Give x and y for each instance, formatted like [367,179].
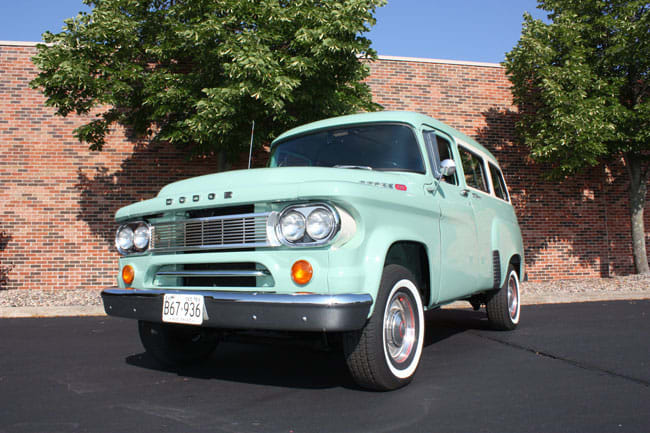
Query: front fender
[358,266]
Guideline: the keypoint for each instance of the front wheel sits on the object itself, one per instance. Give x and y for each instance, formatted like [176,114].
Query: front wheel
[504,307]
[386,352]
[175,345]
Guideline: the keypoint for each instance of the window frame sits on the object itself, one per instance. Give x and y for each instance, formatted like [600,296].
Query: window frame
[503,179]
[433,152]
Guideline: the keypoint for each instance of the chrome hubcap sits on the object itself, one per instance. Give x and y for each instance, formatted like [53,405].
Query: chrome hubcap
[399,325]
[513,297]
[397,328]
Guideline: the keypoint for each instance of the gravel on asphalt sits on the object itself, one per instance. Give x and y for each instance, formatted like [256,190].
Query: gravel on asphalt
[83,297]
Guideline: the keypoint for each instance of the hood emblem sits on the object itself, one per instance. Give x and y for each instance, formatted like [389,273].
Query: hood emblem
[397,186]
[197,197]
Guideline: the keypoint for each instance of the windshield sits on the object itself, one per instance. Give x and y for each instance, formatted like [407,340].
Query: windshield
[388,147]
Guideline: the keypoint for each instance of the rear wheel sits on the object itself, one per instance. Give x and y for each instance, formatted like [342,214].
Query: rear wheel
[504,308]
[176,345]
[385,354]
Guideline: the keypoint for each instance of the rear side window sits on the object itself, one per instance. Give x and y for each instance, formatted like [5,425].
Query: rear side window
[500,189]
[474,170]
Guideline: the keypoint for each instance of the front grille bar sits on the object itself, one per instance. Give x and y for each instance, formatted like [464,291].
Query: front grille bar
[213,274]
[211,233]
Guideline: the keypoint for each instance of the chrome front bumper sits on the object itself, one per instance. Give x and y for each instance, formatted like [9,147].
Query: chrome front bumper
[250,310]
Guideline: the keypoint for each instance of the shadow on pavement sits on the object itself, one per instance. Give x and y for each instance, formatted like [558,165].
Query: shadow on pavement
[297,365]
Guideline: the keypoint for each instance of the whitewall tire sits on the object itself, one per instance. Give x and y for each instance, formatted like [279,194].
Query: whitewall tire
[504,307]
[385,354]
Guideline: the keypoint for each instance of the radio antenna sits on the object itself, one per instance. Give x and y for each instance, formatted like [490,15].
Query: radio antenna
[250,151]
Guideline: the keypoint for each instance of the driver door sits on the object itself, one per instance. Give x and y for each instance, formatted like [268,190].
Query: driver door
[458,235]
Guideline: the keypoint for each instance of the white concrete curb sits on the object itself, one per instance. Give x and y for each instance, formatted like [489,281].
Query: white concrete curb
[68,311]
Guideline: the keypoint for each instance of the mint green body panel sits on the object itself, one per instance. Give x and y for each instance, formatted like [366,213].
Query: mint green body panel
[506,238]
[428,213]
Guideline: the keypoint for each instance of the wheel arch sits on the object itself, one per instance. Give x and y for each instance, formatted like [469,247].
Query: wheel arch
[507,248]
[515,261]
[413,256]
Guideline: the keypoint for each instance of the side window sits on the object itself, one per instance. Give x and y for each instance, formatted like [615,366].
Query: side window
[500,189]
[439,149]
[474,170]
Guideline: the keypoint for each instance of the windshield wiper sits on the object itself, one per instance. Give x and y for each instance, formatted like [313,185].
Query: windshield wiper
[358,167]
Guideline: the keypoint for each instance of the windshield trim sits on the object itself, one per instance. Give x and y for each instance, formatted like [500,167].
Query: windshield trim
[412,128]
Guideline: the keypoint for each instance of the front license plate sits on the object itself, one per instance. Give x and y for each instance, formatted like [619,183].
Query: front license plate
[187,309]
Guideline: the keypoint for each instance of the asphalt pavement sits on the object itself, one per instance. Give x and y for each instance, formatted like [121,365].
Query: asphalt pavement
[568,368]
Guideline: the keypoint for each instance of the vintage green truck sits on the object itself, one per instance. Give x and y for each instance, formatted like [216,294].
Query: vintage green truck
[358,225]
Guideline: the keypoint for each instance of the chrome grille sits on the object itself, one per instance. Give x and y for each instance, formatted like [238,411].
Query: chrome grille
[211,233]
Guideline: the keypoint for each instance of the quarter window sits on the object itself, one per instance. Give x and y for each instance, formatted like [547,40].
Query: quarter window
[442,151]
[474,170]
[500,189]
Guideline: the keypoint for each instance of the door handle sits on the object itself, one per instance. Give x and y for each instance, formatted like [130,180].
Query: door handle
[464,192]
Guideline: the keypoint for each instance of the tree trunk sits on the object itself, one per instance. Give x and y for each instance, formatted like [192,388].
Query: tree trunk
[638,188]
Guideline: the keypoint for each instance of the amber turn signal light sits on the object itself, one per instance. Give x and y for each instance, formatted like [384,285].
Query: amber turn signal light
[128,274]
[301,272]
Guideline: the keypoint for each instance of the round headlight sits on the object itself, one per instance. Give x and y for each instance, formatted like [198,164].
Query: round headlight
[320,224]
[124,239]
[292,226]
[141,237]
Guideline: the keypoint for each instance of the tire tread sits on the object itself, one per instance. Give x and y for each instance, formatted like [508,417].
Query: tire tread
[497,307]
[363,349]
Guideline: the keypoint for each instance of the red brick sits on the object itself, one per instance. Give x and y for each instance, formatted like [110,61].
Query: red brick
[57,198]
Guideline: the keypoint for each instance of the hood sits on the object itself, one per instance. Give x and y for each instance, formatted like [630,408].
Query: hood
[263,185]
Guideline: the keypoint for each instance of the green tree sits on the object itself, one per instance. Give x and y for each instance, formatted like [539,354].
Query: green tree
[581,82]
[197,72]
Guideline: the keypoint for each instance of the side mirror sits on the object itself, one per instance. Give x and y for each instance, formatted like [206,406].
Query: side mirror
[447,167]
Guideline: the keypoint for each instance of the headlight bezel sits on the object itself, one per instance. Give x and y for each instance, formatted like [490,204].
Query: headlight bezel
[305,209]
[133,249]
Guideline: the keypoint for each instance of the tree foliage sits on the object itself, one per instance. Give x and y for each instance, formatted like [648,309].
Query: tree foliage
[581,81]
[198,72]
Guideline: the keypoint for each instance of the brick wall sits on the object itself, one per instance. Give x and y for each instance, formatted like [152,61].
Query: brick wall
[57,199]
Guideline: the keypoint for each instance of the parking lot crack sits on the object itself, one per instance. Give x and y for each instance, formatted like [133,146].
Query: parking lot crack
[578,364]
